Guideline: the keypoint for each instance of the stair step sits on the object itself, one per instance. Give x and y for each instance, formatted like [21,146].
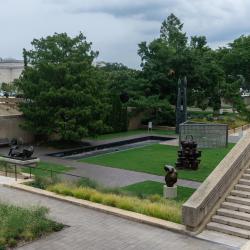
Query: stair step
[247,171]
[238,200]
[233,214]
[242,187]
[246,176]
[240,193]
[236,207]
[244,182]
[228,230]
[231,222]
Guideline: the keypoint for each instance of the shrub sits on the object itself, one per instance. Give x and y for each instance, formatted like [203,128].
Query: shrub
[210,118]
[43,182]
[119,115]
[86,182]
[153,206]
[23,224]
[164,117]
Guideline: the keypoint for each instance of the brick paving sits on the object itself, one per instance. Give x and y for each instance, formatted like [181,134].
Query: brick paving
[92,230]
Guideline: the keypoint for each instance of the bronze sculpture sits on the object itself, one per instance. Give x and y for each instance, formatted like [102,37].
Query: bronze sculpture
[188,155]
[171,176]
[19,152]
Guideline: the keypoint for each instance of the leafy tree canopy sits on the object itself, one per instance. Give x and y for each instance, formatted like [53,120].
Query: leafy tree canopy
[62,88]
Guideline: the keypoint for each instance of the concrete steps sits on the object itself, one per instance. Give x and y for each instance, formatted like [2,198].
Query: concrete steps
[246,176]
[228,230]
[231,222]
[238,200]
[233,216]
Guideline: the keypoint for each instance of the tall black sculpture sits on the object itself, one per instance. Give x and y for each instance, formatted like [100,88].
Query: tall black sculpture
[181,106]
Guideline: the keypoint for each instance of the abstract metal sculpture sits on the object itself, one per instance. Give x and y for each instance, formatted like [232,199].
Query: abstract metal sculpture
[19,152]
[124,97]
[171,176]
[188,155]
[181,106]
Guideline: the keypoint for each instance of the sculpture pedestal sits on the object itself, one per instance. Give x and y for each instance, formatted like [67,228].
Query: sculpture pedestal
[22,162]
[169,192]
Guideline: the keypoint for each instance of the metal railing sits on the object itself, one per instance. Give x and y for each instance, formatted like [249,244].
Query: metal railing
[51,173]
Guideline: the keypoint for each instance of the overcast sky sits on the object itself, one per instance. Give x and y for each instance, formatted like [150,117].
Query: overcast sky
[117,26]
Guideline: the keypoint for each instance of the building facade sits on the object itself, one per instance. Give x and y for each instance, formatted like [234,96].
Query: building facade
[10,69]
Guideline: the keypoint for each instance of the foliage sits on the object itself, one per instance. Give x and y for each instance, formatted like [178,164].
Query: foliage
[151,159]
[165,59]
[61,86]
[233,121]
[7,167]
[211,74]
[163,209]
[43,182]
[235,60]
[133,132]
[119,115]
[24,225]
[152,188]
[66,95]
[160,112]
[45,168]
[8,89]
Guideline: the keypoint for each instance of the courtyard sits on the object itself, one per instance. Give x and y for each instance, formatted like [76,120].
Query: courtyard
[122,127]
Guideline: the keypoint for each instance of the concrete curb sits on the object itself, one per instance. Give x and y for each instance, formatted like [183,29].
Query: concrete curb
[105,209]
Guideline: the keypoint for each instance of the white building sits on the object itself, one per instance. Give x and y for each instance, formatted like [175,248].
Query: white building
[10,69]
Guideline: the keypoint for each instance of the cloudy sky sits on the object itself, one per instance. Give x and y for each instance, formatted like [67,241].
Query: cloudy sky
[117,26]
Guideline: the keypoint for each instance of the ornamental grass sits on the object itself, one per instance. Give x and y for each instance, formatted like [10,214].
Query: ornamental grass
[151,206]
[19,225]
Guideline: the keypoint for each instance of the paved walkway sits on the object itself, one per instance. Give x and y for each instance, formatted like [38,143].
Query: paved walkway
[6,180]
[107,176]
[92,230]
[113,177]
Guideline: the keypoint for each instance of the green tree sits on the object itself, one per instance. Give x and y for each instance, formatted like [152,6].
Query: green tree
[165,59]
[170,57]
[61,88]
[235,59]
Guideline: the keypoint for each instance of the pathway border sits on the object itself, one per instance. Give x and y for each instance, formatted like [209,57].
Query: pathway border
[105,209]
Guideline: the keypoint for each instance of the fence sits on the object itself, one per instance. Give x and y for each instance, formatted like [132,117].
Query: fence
[16,170]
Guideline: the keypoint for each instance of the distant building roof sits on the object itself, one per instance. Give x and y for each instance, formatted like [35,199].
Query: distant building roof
[10,60]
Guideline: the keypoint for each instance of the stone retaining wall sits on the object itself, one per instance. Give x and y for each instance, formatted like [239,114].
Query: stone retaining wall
[207,196]
[206,135]
[10,128]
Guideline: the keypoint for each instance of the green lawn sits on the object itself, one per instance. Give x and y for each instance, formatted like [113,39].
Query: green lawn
[132,132]
[147,188]
[45,168]
[151,159]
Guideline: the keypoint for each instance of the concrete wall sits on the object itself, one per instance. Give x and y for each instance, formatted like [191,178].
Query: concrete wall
[197,209]
[10,70]
[10,128]
[206,135]
[135,121]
